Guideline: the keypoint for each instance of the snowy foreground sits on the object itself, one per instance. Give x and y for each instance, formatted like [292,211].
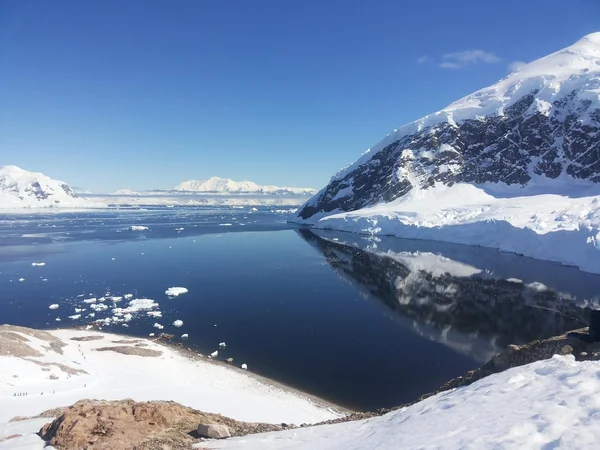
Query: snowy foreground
[548,404]
[551,226]
[83,372]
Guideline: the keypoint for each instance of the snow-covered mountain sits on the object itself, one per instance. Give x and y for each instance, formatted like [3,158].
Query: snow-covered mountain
[22,189]
[227,185]
[514,166]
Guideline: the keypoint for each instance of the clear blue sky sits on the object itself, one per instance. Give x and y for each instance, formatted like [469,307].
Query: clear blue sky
[144,94]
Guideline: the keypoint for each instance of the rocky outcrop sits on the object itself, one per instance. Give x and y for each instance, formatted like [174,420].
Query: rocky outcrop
[126,425]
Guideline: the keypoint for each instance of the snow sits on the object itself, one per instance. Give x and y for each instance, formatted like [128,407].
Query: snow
[113,376]
[227,185]
[53,306]
[547,404]
[175,291]
[138,228]
[22,189]
[178,323]
[553,227]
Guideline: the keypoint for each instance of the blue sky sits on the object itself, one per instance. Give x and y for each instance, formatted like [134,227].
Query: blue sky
[144,94]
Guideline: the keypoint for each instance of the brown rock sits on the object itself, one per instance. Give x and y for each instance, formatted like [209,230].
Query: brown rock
[126,424]
[213,431]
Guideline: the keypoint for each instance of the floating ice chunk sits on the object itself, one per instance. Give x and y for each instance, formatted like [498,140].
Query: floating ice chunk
[253,209]
[244,366]
[178,323]
[185,336]
[138,228]
[91,315]
[98,307]
[514,280]
[175,291]
[222,345]
[124,325]
[151,335]
[158,325]
[116,299]
[75,316]
[155,314]
[225,224]
[89,300]
[112,259]
[21,279]
[179,229]
[57,319]
[44,279]
[101,299]
[40,264]
[78,310]
[53,306]
[214,354]
[141,304]
[128,296]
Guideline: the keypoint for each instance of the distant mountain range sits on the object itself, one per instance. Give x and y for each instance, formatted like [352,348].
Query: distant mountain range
[20,188]
[221,186]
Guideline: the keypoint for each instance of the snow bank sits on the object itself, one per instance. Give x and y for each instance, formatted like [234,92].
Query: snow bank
[112,376]
[555,227]
[547,404]
[175,291]
[138,228]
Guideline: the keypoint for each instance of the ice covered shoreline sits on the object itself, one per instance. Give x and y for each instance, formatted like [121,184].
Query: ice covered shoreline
[58,367]
[551,227]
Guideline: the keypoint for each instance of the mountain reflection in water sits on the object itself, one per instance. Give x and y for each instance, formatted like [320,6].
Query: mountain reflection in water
[472,299]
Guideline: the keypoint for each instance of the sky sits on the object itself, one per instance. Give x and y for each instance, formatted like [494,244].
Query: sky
[144,94]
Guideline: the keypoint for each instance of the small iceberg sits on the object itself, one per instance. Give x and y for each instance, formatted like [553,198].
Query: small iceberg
[40,264]
[175,291]
[178,323]
[53,306]
[138,228]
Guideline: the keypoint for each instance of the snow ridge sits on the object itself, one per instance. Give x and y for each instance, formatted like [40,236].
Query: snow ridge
[23,189]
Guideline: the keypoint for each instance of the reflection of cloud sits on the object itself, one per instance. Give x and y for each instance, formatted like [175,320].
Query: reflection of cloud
[459,60]
[422,59]
[516,65]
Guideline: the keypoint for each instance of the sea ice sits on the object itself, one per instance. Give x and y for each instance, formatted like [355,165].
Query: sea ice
[138,228]
[178,323]
[175,291]
[53,306]
[38,264]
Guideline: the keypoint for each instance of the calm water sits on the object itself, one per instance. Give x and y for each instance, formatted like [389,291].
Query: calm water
[364,322]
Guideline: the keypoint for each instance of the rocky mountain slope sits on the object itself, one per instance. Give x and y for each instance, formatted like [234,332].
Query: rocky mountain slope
[22,189]
[534,133]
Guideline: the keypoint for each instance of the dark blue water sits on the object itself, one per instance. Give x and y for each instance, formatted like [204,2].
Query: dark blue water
[364,322]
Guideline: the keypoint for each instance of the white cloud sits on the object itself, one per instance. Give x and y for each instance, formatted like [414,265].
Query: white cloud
[422,59]
[458,60]
[516,65]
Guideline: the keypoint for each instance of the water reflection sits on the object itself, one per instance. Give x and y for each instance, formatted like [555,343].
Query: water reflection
[472,299]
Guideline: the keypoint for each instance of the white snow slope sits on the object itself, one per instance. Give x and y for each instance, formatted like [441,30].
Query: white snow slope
[113,376]
[548,404]
[22,189]
[226,185]
[553,219]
